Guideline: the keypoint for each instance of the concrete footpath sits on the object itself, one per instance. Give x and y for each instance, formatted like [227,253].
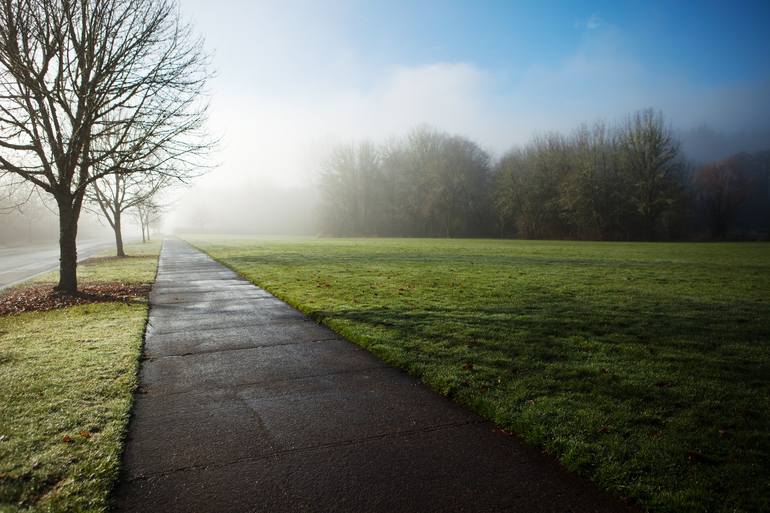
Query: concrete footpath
[245,405]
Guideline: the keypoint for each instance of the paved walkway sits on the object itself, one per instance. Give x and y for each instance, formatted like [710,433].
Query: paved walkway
[245,405]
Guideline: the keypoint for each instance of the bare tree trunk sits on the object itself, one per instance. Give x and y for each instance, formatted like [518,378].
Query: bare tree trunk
[118,235]
[68,252]
[80,100]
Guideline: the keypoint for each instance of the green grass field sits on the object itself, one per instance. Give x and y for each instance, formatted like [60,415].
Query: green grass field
[67,376]
[643,366]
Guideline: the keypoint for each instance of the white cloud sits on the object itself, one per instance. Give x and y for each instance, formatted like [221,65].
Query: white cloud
[279,133]
[593,22]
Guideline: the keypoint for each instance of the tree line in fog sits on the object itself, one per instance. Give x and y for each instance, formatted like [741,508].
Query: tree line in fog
[627,181]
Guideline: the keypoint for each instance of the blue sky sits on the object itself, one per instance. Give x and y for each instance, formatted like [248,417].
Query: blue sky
[712,42]
[296,76]
[707,41]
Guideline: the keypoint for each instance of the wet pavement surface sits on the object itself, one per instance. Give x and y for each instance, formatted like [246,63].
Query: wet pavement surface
[18,264]
[245,405]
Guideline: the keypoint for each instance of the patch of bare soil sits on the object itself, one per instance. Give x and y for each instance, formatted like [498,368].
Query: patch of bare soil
[41,298]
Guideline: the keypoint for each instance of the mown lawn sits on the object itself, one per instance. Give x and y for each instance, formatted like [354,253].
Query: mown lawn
[66,382]
[138,267]
[643,366]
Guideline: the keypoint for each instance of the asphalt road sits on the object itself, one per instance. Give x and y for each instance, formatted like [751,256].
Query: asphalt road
[21,263]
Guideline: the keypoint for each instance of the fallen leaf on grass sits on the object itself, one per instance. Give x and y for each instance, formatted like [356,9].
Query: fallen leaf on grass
[39,298]
[66,439]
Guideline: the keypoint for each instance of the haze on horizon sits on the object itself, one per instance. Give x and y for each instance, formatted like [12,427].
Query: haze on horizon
[294,78]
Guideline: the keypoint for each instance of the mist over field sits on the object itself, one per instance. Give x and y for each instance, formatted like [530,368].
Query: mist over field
[295,81]
[291,87]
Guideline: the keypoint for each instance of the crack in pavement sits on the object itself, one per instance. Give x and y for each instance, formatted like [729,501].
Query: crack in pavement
[310,448]
[272,381]
[260,346]
[270,322]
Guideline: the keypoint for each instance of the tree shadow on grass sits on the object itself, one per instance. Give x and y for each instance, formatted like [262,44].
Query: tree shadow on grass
[628,390]
[634,351]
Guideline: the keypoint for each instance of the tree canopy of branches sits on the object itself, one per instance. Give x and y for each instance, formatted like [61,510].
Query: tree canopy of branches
[628,181]
[654,169]
[530,181]
[722,186]
[93,88]
[732,195]
[427,184]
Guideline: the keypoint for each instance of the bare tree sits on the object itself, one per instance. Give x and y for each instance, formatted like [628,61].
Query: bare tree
[349,183]
[593,194]
[149,213]
[653,164]
[722,187]
[116,194]
[92,88]
[534,175]
[428,183]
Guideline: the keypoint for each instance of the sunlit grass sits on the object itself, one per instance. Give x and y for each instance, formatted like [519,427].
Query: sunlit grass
[139,267]
[644,366]
[66,378]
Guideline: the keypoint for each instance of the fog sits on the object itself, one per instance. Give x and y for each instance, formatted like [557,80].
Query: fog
[29,217]
[35,223]
[294,79]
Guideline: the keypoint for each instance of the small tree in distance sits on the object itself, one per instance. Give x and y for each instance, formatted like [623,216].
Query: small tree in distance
[149,213]
[116,194]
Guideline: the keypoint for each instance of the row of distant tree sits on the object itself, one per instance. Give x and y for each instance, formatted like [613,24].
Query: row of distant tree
[628,181]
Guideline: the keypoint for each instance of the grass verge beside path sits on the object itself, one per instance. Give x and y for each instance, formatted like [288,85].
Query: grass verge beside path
[66,382]
[138,267]
[643,366]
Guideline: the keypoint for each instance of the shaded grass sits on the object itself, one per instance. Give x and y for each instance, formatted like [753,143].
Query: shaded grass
[67,377]
[644,366]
